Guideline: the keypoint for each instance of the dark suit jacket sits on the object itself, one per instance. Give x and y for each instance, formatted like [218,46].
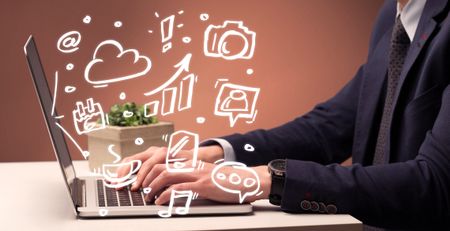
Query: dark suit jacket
[412,189]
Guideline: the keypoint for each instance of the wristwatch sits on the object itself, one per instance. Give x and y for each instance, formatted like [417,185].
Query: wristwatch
[277,169]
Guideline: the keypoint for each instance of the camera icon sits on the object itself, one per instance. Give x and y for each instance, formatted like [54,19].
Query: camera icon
[231,41]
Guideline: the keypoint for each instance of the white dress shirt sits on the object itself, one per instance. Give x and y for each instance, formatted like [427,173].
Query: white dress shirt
[409,15]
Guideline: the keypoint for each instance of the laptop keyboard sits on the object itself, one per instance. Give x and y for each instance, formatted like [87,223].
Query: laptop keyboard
[110,197]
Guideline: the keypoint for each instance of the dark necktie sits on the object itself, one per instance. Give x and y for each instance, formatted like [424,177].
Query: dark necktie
[397,54]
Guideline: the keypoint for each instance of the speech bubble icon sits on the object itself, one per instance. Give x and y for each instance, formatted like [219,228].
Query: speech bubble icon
[225,180]
[236,101]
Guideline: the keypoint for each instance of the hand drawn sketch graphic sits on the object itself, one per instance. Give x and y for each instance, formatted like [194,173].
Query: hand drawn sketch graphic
[111,178]
[68,42]
[225,180]
[167,32]
[183,92]
[177,196]
[85,117]
[137,65]
[217,40]
[237,101]
[181,140]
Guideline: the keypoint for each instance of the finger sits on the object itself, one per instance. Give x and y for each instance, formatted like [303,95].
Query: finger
[122,170]
[147,167]
[164,197]
[157,169]
[142,156]
[166,178]
[143,171]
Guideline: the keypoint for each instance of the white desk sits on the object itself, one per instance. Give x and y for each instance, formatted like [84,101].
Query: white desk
[33,197]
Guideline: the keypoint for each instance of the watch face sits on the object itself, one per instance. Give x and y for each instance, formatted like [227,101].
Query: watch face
[278,166]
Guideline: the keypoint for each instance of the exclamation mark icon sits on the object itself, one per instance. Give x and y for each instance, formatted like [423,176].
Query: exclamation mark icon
[167,32]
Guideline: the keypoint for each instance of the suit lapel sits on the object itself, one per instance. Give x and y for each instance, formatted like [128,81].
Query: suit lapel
[425,28]
[375,73]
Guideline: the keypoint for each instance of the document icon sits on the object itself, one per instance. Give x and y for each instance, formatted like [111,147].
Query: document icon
[175,160]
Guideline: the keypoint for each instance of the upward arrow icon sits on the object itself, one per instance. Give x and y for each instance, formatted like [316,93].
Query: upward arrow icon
[182,66]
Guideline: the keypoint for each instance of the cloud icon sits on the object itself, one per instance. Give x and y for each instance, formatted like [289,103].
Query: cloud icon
[110,54]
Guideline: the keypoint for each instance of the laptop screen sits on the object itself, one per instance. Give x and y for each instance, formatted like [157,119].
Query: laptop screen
[46,102]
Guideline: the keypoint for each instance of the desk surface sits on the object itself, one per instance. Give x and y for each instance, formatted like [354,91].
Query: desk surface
[33,197]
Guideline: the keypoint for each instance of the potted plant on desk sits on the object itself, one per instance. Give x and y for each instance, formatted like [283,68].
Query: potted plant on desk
[129,131]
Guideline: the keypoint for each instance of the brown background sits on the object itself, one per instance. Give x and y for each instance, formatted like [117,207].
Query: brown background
[305,52]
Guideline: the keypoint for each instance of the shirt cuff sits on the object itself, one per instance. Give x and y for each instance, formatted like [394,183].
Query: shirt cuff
[228,151]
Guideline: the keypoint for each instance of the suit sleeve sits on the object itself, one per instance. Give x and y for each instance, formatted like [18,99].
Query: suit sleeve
[323,135]
[415,192]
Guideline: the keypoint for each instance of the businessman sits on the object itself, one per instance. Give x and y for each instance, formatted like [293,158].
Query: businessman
[393,118]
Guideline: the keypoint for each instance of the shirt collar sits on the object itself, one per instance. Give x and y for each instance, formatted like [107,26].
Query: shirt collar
[410,16]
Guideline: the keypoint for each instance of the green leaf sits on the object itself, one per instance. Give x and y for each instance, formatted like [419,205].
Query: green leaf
[116,118]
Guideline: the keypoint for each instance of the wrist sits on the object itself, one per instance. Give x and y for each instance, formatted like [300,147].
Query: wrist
[210,153]
[266,182]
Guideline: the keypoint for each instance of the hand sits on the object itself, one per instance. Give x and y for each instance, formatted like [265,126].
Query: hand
[162,182]
[157,155]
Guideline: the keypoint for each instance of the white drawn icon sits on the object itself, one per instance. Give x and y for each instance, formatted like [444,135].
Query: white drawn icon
[221,179]
[146,190]
[151,109]
[139,66]
[69,66]
[180,210]
[249,148]
[113,153]
[168,100]
[186,39]
[236,101]
[122,96]
[167,32]
[83,152]
[179,141]
[249,71]
[111,179]
[85,117]
[181,94]
[182,66]
[70,89]
[55,92]
[204,16]
[139,141]
[68,42]
[117,24]
[217,41]
[200,120]
[102,212]
[87,19]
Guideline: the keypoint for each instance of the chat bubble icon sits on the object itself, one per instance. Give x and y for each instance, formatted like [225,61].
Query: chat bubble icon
[231,181]
[236,101]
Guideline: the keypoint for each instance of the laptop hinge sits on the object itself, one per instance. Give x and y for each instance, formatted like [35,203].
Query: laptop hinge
[79,192]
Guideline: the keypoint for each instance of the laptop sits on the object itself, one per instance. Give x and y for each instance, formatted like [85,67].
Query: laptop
[89,196]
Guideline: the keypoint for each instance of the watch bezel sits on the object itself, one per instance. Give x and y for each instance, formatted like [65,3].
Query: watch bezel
[277,171]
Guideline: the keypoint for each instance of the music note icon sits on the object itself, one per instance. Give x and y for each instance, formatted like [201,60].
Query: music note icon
[180,210]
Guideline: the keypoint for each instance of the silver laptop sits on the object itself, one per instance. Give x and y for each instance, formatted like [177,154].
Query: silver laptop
[89,196]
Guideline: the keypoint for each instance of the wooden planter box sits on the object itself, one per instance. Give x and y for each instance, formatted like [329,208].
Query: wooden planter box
[123,139]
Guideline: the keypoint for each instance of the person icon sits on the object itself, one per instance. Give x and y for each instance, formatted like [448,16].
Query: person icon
[236,101]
